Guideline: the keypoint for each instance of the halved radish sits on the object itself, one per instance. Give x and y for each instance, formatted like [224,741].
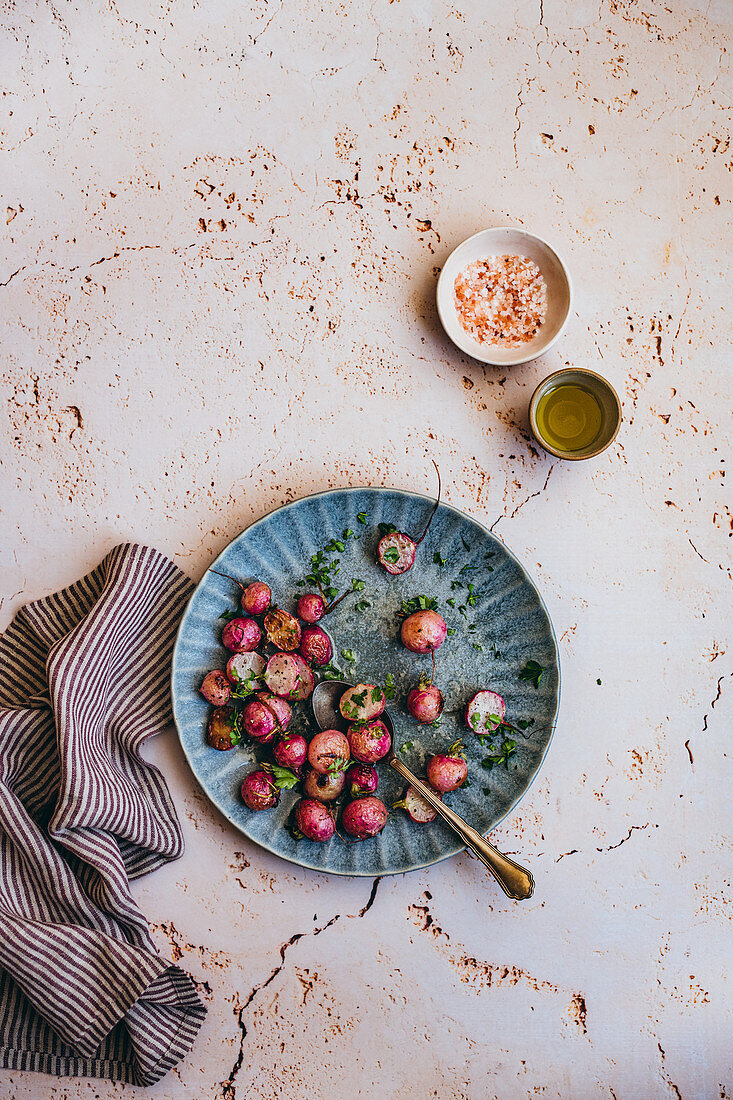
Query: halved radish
[282,674]
[485,711]
[306,683]
[282,629]
[415,805]
[362,703]
[279,707]
[396,552]
[245,667]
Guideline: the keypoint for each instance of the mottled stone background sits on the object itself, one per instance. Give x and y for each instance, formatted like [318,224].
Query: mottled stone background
[224,225]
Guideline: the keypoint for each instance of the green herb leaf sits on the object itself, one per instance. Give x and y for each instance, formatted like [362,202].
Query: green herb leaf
[362,605]
[467,569]
[391,555]
[387,529]
[406,746]
[348,655]
[357,585]
[533,672]
[362,517]
[439,559]
[283,777]
[348,534]
[227,616]
[598,682]
[389,686]
[451,602]
[465,544]
[451,631]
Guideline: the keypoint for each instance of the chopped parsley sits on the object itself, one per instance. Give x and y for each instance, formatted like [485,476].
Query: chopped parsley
[227,616]
[330,672]
[391,555]
[406,746]
[439,559]
[362,518]
[349,655]
[389,686]
[508,748]
[357,585]
[362,605]
[418,603]
[387,529]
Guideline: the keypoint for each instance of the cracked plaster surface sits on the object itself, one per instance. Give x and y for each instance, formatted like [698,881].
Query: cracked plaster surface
[223,227]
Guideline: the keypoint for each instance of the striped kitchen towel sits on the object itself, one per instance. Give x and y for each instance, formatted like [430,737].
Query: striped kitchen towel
[84,680]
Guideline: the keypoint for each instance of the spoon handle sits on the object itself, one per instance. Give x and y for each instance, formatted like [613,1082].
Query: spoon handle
[515,881]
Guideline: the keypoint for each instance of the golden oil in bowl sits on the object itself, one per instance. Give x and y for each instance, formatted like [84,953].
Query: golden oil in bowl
[569,417]
[575,413]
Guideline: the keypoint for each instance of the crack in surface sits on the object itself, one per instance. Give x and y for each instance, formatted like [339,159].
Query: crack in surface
[228,1087]
[520,103]
[664,1075]
[633,829]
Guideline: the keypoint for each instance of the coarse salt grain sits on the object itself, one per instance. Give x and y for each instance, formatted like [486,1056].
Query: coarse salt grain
[501,300]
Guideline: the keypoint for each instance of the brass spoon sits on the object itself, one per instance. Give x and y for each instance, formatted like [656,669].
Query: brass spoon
[515,881]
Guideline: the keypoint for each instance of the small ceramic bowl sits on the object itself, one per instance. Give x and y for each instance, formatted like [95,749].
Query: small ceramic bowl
[510,241]
[603,392]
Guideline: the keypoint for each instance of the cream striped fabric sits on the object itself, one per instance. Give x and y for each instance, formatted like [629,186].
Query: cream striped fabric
[84,680]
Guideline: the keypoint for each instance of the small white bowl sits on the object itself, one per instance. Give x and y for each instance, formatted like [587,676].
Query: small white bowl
[509,241]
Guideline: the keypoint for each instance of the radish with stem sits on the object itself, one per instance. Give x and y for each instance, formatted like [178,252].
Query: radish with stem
[396,551]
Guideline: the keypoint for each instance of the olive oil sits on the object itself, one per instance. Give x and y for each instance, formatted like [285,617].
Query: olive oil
[569,417]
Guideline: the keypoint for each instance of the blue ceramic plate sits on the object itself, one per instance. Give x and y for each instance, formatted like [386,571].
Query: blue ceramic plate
[505,626]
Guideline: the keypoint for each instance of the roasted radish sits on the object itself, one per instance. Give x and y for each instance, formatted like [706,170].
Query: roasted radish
[259,792]
[291,751]
[306,681]
[311,607]
[241,635]
[447,771]
[424,631]
[396,550]
[221,732]
[364,817]
[315,646]
[361,779]
[216,688]
[415,805]
[259,722]
[324,786]
[282,630]
[329,751]
[279,707]
[426,703]
[256,596]
[245,668]
[313,820]
[362,703]
[283,675]
[485,712]
[369,742]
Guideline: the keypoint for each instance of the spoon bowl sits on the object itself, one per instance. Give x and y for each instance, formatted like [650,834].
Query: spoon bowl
[515,881]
